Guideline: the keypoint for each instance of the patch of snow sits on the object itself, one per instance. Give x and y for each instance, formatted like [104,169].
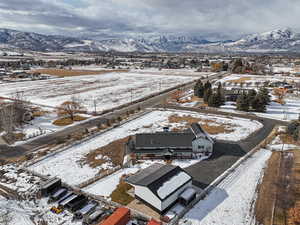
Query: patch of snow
[172,184]
[231,201]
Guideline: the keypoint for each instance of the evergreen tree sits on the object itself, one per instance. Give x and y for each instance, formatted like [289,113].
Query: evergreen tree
[213,100]
[296,134]
[196,89]
[242,103]
[251,96]
[199,89]
[220,95]
[207,94]
[258,103]
[207,85]
[292,127]
[264,95]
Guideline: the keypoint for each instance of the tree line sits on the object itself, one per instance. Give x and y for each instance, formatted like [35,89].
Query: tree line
[210,97]
[251,101]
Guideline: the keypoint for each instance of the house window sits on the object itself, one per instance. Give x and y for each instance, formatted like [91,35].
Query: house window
[200,147]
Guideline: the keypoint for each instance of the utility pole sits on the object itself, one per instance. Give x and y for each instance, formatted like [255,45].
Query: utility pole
[160,85]
[131,95]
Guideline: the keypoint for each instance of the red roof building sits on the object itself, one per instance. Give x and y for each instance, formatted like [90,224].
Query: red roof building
[120,217]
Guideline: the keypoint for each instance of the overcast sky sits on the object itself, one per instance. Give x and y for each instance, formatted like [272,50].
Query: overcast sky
[114,18]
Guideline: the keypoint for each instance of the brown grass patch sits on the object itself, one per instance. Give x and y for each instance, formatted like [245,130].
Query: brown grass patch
[114,150]
[240,80]
[148,126]
[205,124]
[278,199]
[280,101]
[72,73]
[267,190]
[39,113]
[120,194]
[287,139]
[68,121]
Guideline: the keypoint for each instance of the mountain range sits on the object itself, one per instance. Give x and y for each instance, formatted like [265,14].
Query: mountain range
[283,40]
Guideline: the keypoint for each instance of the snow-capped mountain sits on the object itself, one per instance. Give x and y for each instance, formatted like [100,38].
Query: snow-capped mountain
[277,40]
[280,40]
[38,42]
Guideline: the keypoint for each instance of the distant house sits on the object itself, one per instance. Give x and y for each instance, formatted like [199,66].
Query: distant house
[160,186]
[233,94]
[185,144]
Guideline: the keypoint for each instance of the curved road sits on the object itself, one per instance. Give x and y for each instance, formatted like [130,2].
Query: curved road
[226,153]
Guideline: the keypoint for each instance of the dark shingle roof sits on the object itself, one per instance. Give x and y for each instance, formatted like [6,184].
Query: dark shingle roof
[165,140]
[154,176]
[150,174]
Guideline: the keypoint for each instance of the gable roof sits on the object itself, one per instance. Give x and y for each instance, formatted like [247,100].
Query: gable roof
[165,140]
[199,132]
[162,180]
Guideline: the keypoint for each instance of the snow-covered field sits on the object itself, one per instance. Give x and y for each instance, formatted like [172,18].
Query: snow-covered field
[289,111]
[106,90]
[231,201]
[254,81]
[69,166]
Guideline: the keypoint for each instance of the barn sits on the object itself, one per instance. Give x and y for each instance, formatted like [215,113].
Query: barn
[184,144]
[160,186]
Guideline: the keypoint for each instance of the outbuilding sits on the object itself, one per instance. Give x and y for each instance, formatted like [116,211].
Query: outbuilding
[159,186]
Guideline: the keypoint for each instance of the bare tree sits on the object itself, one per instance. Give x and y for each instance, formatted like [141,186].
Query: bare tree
[71,108]
[8,119]
[94,103]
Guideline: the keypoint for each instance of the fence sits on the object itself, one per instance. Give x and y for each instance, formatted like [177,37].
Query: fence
[217,181]
[98,177]
[67,146]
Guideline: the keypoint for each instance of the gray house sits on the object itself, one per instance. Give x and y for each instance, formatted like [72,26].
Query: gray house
[186,144]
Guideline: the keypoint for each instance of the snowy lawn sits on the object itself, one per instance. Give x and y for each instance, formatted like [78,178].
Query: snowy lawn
[69,164]
[231,201]
[43,125]
[107,90]
[277,145]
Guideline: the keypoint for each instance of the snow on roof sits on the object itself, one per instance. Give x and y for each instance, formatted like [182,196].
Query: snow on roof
[172,184]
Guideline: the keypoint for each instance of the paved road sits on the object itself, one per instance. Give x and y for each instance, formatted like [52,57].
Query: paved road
[17,151]
[226,153]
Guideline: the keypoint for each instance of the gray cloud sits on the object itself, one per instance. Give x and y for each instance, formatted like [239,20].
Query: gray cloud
[108,18]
